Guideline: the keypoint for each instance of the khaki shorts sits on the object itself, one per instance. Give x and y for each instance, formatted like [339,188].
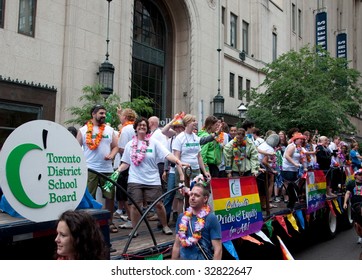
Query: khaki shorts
[94,181]
[141,193]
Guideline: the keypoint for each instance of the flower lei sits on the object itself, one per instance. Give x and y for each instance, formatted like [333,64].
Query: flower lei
[199,225]
[94,145]
[137,156]
[125,124]
[220,138]
[303,156]
[239,153]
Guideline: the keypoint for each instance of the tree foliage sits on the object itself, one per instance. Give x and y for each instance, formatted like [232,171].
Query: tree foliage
[307,90]
[92,96]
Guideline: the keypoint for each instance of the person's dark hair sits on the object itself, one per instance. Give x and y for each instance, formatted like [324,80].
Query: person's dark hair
[209,122]
[96,108]
[141,119]
[292,131]
[73,130]
[88,240]
[248,124]
[256,131]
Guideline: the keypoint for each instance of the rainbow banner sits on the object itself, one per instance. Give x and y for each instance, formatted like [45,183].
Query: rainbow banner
[236,204]
[316,188]
[349,173]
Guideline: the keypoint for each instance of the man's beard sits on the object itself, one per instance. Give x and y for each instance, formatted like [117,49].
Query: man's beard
[101,120]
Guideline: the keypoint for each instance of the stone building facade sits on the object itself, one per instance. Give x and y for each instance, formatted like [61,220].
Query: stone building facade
[181,53]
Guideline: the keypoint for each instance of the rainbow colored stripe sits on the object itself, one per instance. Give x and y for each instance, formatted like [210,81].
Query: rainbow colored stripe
[236,204]
[316,188]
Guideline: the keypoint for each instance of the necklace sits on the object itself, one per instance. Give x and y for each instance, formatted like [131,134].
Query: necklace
[199,225]
[93,145]
[137,156]
[187,139]
[220,138]
[124,125]
[239,151]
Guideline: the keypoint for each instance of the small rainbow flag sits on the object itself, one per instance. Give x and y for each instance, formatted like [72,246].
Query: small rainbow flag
[315,190]
[236,204]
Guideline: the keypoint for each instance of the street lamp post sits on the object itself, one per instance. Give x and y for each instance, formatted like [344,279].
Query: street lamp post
[106,69]
[242,111]
[219,99]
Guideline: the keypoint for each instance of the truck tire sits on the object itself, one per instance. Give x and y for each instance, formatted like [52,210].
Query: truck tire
[330,225]
[346,220]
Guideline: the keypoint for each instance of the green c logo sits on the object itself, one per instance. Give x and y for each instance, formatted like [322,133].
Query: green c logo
[232,188]
[13,174]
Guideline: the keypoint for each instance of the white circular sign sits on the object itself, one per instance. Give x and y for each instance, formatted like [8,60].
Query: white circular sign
[43,171]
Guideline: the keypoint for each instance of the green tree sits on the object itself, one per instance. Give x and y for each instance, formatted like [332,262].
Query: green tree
[92,96]
[309,91]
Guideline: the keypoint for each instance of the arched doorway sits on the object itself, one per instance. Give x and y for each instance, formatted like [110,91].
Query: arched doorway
[152,55]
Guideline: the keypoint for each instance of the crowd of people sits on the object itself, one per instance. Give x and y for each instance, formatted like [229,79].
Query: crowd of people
[152,160]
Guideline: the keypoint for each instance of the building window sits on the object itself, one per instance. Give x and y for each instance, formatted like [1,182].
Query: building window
[320,4]
[2,13]
[233,26]
[275,41]
[149,55]
[231,85]
[240,88]
[223,15]
[247,90]
[293,18]
[299,23]
[27,10]
[245,37]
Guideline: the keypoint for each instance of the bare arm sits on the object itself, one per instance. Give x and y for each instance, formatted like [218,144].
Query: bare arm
[80,138]
[176,249]
[114,148]
[288,155]
[124,166]
[217,249]
[202,166]
[177,155]
[346,197]
[167,130]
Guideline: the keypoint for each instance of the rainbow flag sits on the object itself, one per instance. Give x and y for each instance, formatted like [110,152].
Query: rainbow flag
[315,190]
[349,173]
[236,204]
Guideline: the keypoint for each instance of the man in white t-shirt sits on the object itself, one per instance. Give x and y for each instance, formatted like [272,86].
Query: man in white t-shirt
[333,146]
[99,144]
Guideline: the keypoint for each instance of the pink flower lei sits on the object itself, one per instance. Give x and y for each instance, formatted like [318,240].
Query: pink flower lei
[199,225]
[137,156]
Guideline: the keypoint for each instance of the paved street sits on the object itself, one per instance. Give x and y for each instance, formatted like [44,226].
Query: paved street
[342,247]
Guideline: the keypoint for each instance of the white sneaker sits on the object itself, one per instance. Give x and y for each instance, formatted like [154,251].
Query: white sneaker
[166,230]
[359,240]
[126,225]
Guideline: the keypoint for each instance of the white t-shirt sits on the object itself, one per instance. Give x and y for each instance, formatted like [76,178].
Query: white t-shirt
[147,172]
[189,146]
[169,147]
[258,141]
[265,148]
[127,133]
[157,134]
[95,158]
[226,140]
